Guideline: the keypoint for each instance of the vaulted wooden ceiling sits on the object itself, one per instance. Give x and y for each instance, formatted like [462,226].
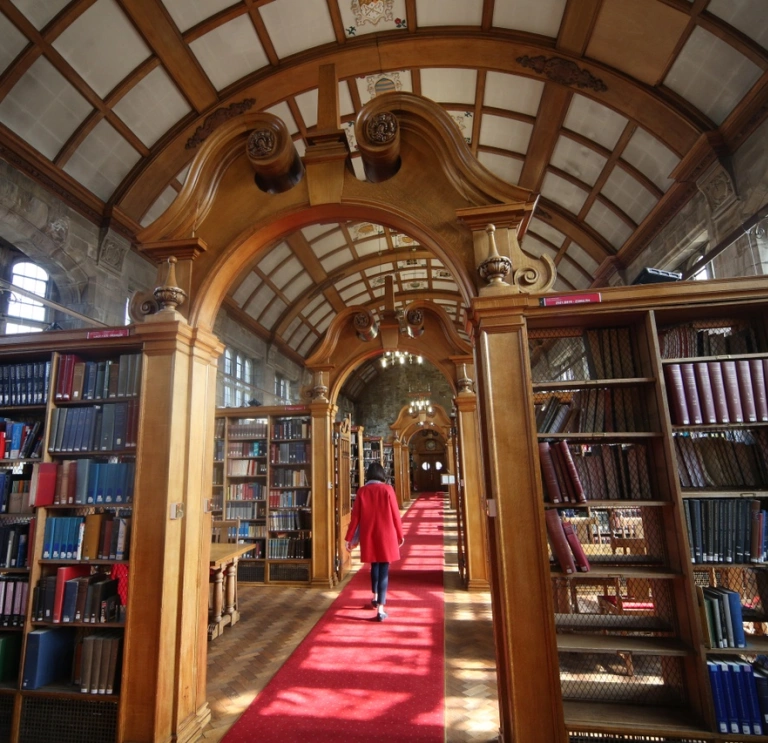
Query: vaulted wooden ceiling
[602,106]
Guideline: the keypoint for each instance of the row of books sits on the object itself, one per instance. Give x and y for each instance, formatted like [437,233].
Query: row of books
[739,695]
[686,341]
[247,448]
[290,521]
[721,617]
[558,473]
[246,491]
[97,536]
[85,481]
[723,459]
[106,427]
[726,530]
[15,492]
[251,429]
[65,656]
[246,467]
[291,428]
[565,544]
[289,498]
[14,544]
[289,478]
[78,379]
[289,548]
[609,353]
[21,439]
[14,590]
[290,453]
[712,392]
[74,594]
[593,410]
[246,510]
[24,384]
[249,530]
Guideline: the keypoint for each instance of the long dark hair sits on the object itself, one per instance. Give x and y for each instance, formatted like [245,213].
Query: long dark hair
[376,472]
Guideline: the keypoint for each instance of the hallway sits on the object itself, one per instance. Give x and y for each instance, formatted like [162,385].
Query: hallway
[275,619]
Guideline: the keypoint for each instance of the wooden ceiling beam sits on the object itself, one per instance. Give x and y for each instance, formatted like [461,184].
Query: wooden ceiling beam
[582,234]
[159,31]
[261,31]
[576,27]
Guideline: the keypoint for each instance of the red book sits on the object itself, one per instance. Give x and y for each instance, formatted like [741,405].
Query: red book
[558,541]
[548,475]
[579,557]
[42,488]
[62,576]
[573,473]
[746,395]
[718,391]
[757,372]
[691,394]
[566,488]
[706,398]
[732,396]
[676,391]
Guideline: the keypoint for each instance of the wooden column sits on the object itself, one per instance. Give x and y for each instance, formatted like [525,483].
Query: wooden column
[165,651]
[323,515]
[474,491]
[530,701]
[401,478]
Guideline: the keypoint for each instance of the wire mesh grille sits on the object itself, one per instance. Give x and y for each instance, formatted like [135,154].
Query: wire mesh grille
[295,572]
[586,737]
[711,338]
[44,719]
[593,410]
[564,354]
[622,677]
[614,536]
[250,572]
[614,605]
[750,584]
[6,716]
[730,459]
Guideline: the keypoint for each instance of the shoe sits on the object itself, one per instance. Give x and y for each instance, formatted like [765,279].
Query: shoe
[374,603]
[381,616]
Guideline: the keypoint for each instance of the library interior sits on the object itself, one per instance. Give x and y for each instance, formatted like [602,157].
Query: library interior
[512,251]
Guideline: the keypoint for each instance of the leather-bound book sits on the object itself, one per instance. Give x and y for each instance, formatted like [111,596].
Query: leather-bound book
[691,394]
[676,391]
[718,391]
[746,395]
[549,474]
[559,542]
[573,473]
[732,396]
[706,397]
[579,556]
[757,372]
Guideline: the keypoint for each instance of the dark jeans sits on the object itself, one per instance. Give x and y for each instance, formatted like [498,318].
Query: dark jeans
[380,580]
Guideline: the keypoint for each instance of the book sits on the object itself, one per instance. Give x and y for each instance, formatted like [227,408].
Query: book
[676,391]
[549,474]
[64,574]
[759,392]
[571,471]
[693,405]
[559,542]
[48,657]
[732,392]
[579,556]
[746,394]
[706,394]
[715,682]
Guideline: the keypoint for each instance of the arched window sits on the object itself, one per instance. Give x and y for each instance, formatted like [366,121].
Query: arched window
[25,315]
[237,375]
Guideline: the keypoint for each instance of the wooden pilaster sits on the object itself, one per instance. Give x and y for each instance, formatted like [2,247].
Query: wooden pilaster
[323,548]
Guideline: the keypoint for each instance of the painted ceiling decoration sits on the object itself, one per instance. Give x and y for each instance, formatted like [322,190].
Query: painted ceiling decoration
[598,105]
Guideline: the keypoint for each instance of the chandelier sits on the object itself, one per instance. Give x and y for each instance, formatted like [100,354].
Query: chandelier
[391,358]
[420,404]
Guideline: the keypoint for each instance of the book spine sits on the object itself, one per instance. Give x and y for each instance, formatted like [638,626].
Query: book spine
[718,391]
[706,397]
[579,556]
[746,395]
[691,393]
[549,475]
[559,542]
[573,473]
[757,374]
[732,396]
[676,390]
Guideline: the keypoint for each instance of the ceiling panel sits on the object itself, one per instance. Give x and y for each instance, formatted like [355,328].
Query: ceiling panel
[535,16]
[506,168]
[39,12]
[578,160]
[628,194]
[449,86]
[613,230]
[563,192]
[748,16]
[296,25]
[594,121]
[449,12]
[12,41]
[651,158]
[361,18]
[512,92]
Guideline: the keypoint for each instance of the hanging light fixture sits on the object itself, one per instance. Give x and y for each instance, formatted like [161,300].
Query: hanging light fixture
[390,358]
[420,403]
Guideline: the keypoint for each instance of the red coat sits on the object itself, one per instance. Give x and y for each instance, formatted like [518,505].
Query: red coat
[381,529]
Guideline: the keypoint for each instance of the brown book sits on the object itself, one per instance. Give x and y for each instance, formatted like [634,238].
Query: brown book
[746,394]
[732,396]
[557,539]
[678,406]
[78,377]
[549,474]
[572,472]
[718,391]
[114,654]
[706,398]
[579,556]
[98,647]
[86,657]
[757,372]
[92,536]
[691,394]
[563,479]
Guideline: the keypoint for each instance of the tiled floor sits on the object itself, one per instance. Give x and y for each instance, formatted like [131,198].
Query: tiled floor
[274,620]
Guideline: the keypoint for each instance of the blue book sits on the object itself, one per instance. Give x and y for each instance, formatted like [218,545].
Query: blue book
[761,682]
[750,690]
[93,476]
[729,696]
[81,483]
[48,539]
[734,602]
[70,599]
[739,693]
[48,657]
[715,682]
[59,534]
[17,433]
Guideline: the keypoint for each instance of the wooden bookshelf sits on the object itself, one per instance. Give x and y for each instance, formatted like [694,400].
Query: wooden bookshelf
[357,454]
[267,486]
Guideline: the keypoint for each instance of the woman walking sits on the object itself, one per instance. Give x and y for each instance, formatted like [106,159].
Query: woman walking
[376,524]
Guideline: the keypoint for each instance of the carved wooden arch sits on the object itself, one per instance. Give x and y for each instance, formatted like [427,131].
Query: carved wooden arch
[222,208]
[343,350]
[407,425]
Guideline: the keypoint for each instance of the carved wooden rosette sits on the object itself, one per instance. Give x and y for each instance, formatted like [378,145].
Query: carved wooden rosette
[378,137]
[366,326]
[273,156]
[414,322]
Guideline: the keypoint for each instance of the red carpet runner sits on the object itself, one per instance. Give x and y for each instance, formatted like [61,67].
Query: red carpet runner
[354,679]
